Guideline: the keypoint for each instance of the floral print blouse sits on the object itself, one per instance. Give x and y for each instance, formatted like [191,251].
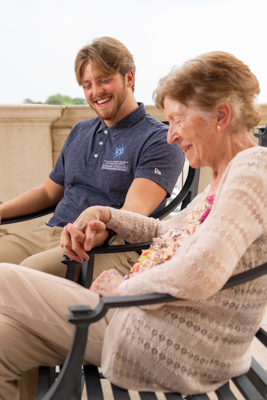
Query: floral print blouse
[164,247]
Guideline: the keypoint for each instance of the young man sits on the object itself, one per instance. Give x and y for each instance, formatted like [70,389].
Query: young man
[120,159]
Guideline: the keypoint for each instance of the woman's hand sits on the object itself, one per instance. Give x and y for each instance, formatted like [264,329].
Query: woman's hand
[107,284]
[89,230]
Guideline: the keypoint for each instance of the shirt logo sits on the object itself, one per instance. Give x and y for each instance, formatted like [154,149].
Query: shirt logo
[119,152]
[157,171]
[114,165]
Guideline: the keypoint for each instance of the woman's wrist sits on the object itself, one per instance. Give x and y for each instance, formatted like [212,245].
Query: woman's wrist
[105,215]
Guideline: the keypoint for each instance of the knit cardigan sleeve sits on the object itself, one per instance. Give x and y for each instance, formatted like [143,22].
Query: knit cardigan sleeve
[207,259]
[135,228]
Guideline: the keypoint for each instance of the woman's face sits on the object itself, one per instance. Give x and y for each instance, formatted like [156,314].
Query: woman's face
[192,132]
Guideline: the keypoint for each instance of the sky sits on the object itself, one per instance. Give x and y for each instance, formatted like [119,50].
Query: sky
[39,40]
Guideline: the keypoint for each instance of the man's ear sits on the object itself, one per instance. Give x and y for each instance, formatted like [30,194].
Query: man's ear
[223,114]
[129,78]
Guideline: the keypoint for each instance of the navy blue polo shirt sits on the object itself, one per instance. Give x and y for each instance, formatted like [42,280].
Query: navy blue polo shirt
[98,163]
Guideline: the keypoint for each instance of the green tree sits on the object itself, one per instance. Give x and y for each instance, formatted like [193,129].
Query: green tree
[29,101]
[79,101]
[59,99]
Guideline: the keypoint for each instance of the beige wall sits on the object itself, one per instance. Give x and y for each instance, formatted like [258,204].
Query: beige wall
[25,152]
[31,138]
[26,147]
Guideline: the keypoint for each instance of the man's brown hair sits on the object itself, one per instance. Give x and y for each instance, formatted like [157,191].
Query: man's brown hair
[106,54]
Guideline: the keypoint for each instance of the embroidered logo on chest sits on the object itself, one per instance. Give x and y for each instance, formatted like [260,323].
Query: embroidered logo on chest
[119,152]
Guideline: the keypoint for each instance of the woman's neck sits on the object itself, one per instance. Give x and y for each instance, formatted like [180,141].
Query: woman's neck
[239,142]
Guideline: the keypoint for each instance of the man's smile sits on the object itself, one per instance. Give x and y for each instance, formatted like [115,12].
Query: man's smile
[103,101]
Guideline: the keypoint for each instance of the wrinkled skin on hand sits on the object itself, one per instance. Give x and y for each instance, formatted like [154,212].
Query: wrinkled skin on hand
[107,284]
[86,232]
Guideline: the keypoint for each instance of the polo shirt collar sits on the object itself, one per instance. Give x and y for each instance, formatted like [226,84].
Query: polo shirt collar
[131,119]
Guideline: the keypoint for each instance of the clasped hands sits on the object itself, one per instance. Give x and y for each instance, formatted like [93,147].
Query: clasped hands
[88,231]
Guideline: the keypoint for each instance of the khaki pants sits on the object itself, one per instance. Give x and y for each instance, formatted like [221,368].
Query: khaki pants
[33,326]
[39,250]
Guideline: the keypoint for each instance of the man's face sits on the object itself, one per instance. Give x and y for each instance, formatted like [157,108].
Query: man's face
[105,94]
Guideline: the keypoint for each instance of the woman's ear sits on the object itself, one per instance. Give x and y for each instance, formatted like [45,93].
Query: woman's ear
[223,114]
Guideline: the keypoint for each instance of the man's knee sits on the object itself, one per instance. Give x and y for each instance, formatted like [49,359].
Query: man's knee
[48,261]
[10,250]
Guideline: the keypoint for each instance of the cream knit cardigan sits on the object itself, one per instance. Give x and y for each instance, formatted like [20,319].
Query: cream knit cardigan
[195,345]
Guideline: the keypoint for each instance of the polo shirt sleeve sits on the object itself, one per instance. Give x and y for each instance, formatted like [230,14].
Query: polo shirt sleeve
[58,173]
[160,162]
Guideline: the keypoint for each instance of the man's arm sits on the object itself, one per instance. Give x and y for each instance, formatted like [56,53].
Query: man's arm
[36,199]
[143,196]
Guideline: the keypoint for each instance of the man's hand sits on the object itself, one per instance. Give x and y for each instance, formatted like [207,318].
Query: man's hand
[88,231]
[107,284]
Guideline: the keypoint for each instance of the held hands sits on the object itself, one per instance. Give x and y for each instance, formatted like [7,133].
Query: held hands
[107,284]
[89,230]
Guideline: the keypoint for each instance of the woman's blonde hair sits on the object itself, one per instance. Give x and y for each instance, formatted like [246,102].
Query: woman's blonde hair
[106,54]
[212,79]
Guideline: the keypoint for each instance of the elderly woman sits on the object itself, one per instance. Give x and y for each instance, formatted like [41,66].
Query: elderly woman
[195,345]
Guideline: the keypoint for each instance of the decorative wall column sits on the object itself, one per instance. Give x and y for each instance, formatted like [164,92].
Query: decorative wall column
[25,147]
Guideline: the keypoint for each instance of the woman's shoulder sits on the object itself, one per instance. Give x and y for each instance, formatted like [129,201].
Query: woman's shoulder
[254,157]
[251,153]
[246,171]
